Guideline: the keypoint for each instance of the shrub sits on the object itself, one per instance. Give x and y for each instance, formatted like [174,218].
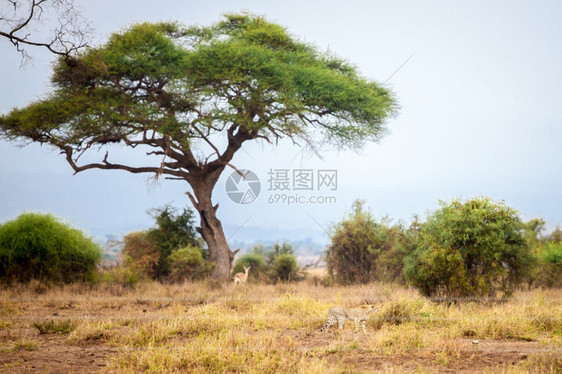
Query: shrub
[284,268]
[547,255]
[475,248]
[173,231]
[39,246]
[552,253]
[187,263]
[396,243]
[352,251]
[363,250]
[141,253]
[148,252]
[278,250]
[550,265]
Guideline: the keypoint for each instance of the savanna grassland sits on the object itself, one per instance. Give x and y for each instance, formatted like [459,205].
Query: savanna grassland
[271,329]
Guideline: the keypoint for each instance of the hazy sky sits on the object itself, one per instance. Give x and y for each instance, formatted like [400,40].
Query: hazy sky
[481,109]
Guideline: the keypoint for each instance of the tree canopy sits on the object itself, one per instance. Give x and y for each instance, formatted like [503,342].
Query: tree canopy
[167,86]
[189,97]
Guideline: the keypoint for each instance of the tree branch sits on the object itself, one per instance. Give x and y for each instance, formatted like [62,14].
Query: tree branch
[105,164]
[193,201]
[71,34]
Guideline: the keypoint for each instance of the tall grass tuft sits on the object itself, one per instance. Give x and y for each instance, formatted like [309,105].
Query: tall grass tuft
[55,327]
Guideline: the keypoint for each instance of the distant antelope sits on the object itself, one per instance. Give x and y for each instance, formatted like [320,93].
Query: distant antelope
[241,277]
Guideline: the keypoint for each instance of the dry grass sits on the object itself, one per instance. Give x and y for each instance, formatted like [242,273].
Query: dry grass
[268,329]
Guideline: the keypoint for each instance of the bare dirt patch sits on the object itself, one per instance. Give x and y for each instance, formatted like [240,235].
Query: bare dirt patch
[55,355]
[354,352]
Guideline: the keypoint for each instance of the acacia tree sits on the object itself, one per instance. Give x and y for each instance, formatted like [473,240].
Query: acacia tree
[20,18]
[190,97]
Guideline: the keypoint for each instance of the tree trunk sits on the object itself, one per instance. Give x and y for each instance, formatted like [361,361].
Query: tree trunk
[212,232]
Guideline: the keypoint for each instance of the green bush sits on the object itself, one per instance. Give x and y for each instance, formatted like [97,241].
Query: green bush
[549,265]
[552,253]
[363,250]
[284,268]
[187,263]
[173,231]
[149,252]
[547,255]
[39,246]
[475,248]
[278,250]
[141,253]
[395,243]
[353,248]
